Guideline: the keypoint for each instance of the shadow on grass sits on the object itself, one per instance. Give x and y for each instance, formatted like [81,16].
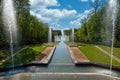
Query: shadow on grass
[25,56]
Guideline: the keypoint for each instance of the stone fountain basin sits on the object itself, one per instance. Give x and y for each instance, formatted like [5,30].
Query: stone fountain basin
[59,76]
[104,66]
[33,63]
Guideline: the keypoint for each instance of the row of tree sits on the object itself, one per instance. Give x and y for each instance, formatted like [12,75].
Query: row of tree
[30,30]
[117,33]
[98,29]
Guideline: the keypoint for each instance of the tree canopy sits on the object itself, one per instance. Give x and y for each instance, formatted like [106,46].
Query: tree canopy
[98,29]
[30,29]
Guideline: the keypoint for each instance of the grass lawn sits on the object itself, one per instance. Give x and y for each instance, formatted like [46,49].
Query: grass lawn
[25,56]
[49,44]
[71,43]
[95,55]
[3,54]
[38,48]
[116,50]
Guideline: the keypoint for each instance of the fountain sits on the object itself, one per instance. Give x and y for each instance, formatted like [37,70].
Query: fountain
[112,15]
[10,25]
[72,34]
[50,35]
[57,38]
[61,64]
[62,36]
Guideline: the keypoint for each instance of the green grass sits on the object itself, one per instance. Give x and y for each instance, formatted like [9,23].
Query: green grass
[38,48]
[3,54]
[25,56]
[116,51]
[72,43]
[95,55]
[49,44]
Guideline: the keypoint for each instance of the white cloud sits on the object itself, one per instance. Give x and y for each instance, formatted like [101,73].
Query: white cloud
[44,19]
[32,13]
[53,14]
[80,17]
[43,3]
[66,29]
[75,23]
[55,24]
[89,12]
[68,12]
[40,10]
[83,0]
[40,17]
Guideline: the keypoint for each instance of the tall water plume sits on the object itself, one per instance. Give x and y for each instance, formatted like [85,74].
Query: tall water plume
[72,34]
[10,25]
[50,35]
[111,16]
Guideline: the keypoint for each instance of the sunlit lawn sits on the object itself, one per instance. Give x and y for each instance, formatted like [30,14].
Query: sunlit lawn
[115,50]
[71,43]
[38,48]
[50,44]
[95,55]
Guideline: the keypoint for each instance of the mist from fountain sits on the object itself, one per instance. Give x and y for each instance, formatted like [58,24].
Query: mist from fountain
[50,35]
[10,25]
[112,15]
[72,34]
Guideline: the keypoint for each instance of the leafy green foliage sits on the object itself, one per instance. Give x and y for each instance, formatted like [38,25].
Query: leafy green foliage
[30,30]
[3,38]
[3,54]
[27,55]
[98,29]
[117,33]
[67,32]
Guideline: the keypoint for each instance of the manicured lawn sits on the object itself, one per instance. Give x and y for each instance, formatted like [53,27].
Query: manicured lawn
[25,56]
[38,48]
[95,55]
[71,43]
[49,44]
[115,50]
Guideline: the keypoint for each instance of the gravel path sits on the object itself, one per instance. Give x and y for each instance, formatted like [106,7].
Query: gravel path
[44,55]
[78,55]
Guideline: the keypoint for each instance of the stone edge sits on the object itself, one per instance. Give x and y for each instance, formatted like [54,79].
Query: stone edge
[94,64]
[33,63]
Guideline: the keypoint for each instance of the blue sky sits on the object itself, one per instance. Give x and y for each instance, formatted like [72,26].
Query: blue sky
[61,14]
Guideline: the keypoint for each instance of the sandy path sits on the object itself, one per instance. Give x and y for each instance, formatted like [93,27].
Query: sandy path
[78,55]
[44,55]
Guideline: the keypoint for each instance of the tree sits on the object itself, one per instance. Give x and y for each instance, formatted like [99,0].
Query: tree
[31,31]
[90,32]
[97,4]
[117,30]
[3,38]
